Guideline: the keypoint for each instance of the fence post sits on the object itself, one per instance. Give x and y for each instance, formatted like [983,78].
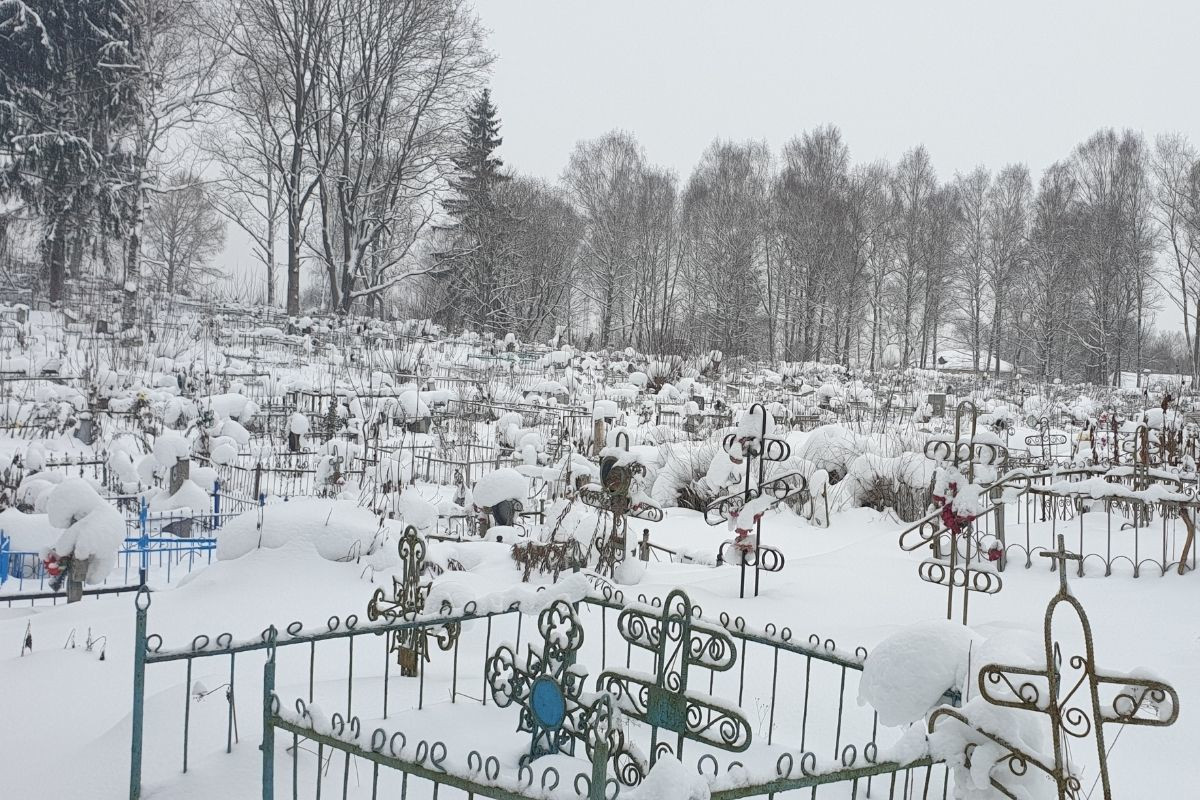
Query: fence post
[216,519]
[142,602]
[998,498]
[599,771]
[5,548]
[268,740]
[644,547]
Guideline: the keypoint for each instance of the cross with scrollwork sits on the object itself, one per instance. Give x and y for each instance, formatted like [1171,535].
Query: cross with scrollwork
[549,686]
[1045,442]
[679,641]
[947,526]
[753,452]
[407,601]
[1078,698]
[614,496]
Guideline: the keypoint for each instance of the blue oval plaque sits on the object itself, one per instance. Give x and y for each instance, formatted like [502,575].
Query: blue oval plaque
[546,701]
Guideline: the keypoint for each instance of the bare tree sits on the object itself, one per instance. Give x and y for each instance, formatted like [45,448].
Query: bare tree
[174,73]
[971,192]
[813,224]
[397,75]
[603,177]
[913,187]
[1174,163]
[183,232]
[282,44]
[1052,275]
[536,257]
[246,149]
[724,207]
[1008,202]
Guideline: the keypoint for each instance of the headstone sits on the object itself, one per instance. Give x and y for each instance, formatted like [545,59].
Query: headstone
[938,403]
[181,472]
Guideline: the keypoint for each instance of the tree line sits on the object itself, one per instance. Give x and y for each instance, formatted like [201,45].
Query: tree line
[805,255]
[354,139]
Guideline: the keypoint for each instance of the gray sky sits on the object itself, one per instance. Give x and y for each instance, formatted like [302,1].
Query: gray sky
[976,82]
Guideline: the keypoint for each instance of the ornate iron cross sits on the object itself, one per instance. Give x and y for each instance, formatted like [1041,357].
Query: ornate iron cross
[754,452]
[679,641]
[945,522]
[407,601]
[1069,692]
[1045,442]
[613,496]
[549,687]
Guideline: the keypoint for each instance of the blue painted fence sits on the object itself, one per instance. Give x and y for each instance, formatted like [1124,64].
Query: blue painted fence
[147,549]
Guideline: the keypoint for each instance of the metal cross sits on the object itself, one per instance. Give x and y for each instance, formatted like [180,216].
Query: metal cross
[549,688]
[755,451]
[1061,556]
[1069,692]
[679,641]
[1045,440]
[931,530]
[612,496]
[407,601]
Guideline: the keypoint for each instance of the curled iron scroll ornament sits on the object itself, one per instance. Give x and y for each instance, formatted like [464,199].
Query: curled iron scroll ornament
[1069,691]
[406,602]
[680,641]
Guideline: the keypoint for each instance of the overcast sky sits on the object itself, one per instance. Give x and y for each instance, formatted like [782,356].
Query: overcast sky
[977,82]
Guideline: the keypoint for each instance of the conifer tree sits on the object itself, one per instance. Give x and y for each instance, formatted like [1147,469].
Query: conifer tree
[470,263]
[64,98]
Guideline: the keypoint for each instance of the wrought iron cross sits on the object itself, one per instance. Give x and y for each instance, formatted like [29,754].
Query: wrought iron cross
[755,451]
[679,641]
[945,520]
[407,601]
[1069,693]
[549,684]
[613,497]
[1045,441]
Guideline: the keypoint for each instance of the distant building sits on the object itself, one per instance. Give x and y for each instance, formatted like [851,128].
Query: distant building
[961,361]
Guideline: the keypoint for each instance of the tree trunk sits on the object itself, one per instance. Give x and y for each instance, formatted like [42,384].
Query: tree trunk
[133,248]
[57,260]
[293,266]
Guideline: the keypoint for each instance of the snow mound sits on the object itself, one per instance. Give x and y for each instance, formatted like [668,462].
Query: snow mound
[907,673]
[337,530]
[496,487]
[94,530]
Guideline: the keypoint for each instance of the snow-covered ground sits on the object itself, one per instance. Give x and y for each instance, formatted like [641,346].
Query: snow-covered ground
[67,712]
[305,456]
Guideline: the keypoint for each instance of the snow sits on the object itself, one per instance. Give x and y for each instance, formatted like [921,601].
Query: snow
[604,409]
[848,596]
[331,528]
[93,529]
[189,496]
[28,532]
[907,673]
[170,448]
[500,485]
[668,779]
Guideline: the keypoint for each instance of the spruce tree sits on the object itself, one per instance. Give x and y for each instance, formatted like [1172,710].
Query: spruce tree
[469,263]
[65,98]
